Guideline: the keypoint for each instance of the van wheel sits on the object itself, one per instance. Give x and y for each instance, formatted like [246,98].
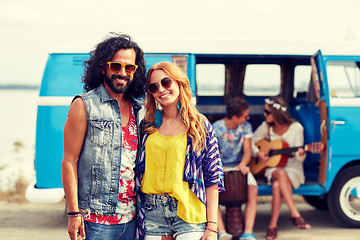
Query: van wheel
[318,202]
[344,197]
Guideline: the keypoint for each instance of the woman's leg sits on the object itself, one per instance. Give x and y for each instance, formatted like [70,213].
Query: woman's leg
[287,195]
[189,235]
[286,190]
[275,204]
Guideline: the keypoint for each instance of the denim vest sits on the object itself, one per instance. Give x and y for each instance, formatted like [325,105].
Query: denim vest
[100,156]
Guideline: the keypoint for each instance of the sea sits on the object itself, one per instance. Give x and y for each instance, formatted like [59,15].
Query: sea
[18,108]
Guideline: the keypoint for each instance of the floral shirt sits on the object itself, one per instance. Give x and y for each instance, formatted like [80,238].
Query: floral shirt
[125,210]
[231,141]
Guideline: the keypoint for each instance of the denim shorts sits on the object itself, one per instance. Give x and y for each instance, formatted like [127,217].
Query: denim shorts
[161,217]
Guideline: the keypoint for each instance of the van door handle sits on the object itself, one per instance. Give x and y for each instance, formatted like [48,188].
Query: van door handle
[337,122]
[334,122]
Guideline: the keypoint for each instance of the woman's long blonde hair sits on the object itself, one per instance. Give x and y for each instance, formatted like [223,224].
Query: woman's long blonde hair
[190,116]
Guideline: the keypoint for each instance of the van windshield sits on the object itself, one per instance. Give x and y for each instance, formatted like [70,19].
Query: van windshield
[343,79]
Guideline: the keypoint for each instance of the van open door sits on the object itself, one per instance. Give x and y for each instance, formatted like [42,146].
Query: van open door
[318,92]
[338,79]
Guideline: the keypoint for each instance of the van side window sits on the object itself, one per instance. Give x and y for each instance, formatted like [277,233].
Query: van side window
[262,80]
[210,79]
[302,75]
[343,79]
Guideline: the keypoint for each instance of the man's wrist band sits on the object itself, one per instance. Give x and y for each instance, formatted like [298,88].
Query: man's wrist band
[75,215]
[72,213]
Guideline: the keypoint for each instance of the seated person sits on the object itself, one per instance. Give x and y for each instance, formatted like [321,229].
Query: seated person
[234,135]
[279,125]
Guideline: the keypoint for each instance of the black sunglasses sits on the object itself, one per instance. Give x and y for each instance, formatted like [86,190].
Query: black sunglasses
[267,112]
[166,82]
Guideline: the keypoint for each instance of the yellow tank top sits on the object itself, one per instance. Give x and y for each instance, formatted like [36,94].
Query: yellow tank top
[164,170]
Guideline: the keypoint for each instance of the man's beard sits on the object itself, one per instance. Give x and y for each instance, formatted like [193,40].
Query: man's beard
[117,88]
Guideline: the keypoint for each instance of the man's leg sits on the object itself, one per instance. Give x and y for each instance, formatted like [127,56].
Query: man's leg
[250,209]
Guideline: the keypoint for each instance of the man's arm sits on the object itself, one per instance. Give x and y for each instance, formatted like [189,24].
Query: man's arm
[243,165]
[74,134]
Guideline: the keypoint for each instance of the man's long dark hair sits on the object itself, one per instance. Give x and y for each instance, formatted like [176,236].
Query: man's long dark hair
[103,53]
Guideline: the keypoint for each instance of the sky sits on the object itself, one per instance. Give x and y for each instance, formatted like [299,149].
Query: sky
[31,29]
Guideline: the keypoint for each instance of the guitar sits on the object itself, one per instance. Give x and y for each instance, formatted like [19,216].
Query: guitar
[279,152]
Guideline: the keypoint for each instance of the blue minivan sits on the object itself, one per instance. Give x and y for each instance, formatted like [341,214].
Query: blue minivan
[321,87]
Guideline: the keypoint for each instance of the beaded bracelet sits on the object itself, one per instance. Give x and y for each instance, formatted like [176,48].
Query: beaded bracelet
[212,222]
[211,230]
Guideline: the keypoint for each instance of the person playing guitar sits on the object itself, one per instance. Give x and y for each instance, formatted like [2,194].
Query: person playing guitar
[278,151]
[279,125]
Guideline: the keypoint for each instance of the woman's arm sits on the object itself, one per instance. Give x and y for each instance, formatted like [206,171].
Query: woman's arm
[260,133]
[298,134]
[214,181]
[212,204]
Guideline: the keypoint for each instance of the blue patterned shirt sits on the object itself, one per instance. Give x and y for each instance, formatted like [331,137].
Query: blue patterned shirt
[231,141]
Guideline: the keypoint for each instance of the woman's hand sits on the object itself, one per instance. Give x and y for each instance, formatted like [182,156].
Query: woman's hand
[263,156]
[209,234]
[301,151]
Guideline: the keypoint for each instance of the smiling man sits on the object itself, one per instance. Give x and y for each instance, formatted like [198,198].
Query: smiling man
[101,142]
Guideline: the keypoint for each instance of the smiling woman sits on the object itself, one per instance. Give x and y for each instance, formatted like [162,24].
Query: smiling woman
[177,136]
